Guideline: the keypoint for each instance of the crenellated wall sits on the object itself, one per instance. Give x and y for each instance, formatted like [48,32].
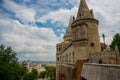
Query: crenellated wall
[100,72]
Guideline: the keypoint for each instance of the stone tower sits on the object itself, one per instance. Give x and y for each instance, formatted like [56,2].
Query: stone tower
[85,36]
[80,41]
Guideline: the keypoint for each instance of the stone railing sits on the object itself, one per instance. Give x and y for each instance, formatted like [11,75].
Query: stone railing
[100,72]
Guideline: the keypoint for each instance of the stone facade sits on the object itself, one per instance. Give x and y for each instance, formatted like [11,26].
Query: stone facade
[81,42]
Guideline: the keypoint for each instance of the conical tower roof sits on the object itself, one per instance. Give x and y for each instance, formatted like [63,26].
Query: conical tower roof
[70,22]
[68,31]
[69,25]
[83,10]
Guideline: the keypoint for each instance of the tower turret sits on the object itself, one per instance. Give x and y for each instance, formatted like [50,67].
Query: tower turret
[85,30]
[83,11]
[67,36]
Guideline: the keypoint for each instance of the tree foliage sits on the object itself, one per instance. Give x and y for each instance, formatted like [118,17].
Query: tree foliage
[115,42]
[49,73]
[7,55]
[42,74]
[9,67]
[33,75]
[34,71]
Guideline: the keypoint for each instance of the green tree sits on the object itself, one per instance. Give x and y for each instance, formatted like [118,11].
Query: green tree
[49,73]
[29,76]
[7,55]
[34,71]
[33,75]
[9,67]
[116,41]
[42,74]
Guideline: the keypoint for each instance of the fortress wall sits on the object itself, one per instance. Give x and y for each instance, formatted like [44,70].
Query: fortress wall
[106,56]
[67,72]
[101,72]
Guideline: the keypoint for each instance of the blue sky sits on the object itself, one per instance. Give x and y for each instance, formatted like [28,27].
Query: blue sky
[33,27]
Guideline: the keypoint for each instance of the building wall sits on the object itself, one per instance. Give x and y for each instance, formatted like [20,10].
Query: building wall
[101,72]
[107,57]
[66,57]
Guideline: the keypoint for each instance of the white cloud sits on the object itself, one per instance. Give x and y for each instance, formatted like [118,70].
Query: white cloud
[107,12]
[62,16]
[60,38]
[24,13]
[32,41]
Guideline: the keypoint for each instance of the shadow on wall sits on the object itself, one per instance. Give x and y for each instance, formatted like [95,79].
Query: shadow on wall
[83,78]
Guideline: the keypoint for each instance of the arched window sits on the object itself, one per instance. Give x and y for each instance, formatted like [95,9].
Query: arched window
[63,58]
[57,59]
[73,57]
[69,57]
[83,31]
[66,57]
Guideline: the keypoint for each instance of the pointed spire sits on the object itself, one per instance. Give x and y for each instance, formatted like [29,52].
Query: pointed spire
[68,31]
[70,22]
[69,25]
[83,11]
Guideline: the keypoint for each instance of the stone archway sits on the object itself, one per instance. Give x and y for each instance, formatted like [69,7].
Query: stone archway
[66,56]
[73,57]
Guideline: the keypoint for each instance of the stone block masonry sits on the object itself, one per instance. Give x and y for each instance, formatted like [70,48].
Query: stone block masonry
[100,72]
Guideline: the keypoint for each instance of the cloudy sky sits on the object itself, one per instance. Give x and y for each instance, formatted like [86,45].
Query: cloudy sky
[33,27]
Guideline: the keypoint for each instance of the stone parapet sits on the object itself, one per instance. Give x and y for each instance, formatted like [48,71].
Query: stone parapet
[100,72]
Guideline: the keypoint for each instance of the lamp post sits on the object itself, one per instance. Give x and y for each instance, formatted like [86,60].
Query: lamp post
[103,35]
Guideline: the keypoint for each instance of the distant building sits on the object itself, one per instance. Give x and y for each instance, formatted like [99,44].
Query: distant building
[81,42]
[40,66]
[35,65]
